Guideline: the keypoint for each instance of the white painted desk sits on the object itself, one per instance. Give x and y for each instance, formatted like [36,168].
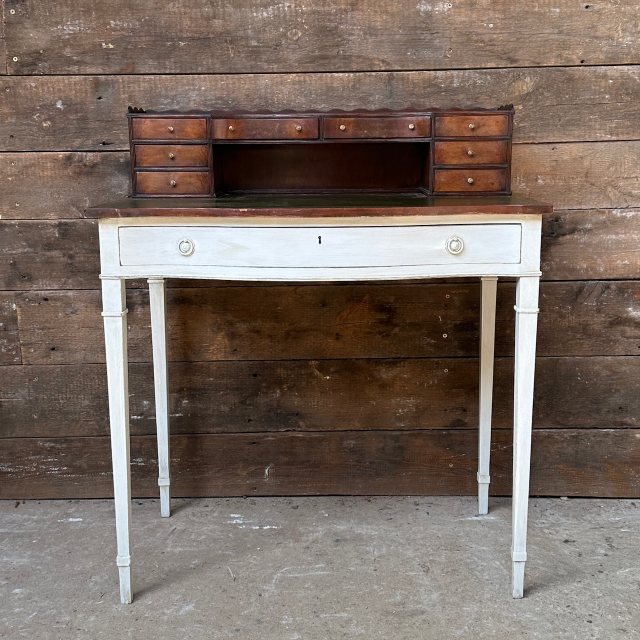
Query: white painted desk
[492,238]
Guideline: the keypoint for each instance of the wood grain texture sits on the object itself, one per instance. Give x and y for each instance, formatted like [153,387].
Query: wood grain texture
[600,175]
[87,112]
[333,321]
[151,36]
[591,244]
[571,176]
[9,333]
[565,462]
[67,183]
[57,401]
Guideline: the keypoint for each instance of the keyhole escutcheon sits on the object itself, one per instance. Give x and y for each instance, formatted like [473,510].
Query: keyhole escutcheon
[319,239]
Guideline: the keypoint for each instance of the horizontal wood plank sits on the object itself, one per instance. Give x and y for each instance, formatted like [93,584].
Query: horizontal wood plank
[158,36]
[310,395]
[578,176]
[581,176]
[63,254]
[564,462]
[333,321]
[64,113]
[9,334]
[591,244]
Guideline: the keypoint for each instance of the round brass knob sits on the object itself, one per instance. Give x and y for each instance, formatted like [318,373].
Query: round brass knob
[172,183]
[231,128]
[470,153]
[170,129]
[412,126]
[472,126]
[454,245]
[186,247]
[470,180]
[342,127]
[172,156]
[298,127]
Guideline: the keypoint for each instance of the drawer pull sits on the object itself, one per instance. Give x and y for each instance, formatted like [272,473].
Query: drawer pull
[298,127]
[172,156]
[472,126]
[172,183]
[170,129]
[470,153]
[454,245]
[412,126]
[231,128]
[186,247]
[343,127]
[470,180]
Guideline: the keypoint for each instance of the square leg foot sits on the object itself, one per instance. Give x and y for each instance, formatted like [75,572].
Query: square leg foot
[517,581]
[126,594]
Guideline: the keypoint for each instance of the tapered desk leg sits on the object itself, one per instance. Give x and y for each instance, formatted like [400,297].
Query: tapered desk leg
[115,333]
[487,340]
[524,366]
[157,302]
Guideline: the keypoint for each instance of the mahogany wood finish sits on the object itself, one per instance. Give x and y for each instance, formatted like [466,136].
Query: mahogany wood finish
[265,128]
[471,180]
[471,152]
[330,152]
[179,183]
[378,127]
[171,155]
[173,128]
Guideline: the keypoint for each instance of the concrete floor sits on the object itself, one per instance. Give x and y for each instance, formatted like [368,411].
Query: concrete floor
[321,568]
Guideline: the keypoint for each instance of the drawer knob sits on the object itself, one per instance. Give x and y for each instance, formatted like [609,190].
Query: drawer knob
[412,126]
[172,156]
[231,128]
[170,129]
[186,247]
[454,245]
[298,127]
[343,127]
[470,180]
[172,183]
[470,153]
[472,126]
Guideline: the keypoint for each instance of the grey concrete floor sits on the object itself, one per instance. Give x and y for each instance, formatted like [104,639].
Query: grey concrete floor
[320,568]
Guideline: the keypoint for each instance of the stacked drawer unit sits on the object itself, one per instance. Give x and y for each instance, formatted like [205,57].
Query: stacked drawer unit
[430,152]
[171,156]
[472,153]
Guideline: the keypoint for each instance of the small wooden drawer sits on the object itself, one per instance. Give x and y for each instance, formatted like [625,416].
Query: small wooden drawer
[191,183]
[470,180]
[320,247]
[470,125]
[169,128]
[378,127]
[472,152]
[265,128]
[171,155]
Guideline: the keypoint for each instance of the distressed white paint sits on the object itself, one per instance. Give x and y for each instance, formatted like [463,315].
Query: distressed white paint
[320,249]
[115,335]
[524,367]
[487,340]
[157,305]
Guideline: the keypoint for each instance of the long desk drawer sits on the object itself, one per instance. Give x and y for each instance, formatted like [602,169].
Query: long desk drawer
[325,247]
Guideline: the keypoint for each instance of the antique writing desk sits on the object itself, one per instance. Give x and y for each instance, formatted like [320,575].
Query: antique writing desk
[317,198]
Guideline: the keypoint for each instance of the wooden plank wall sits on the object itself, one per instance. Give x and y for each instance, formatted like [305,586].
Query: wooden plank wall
[367,388]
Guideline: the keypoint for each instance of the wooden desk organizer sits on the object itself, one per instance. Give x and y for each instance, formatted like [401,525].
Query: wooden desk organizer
[422,153]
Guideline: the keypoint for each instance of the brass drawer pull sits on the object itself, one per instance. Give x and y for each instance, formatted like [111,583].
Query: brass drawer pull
[470,153]
[298,127]
[172,183]
[170,129]
[231,128]
[172,156]
[472,126]
[412,126]
[343,127]
[470,180]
